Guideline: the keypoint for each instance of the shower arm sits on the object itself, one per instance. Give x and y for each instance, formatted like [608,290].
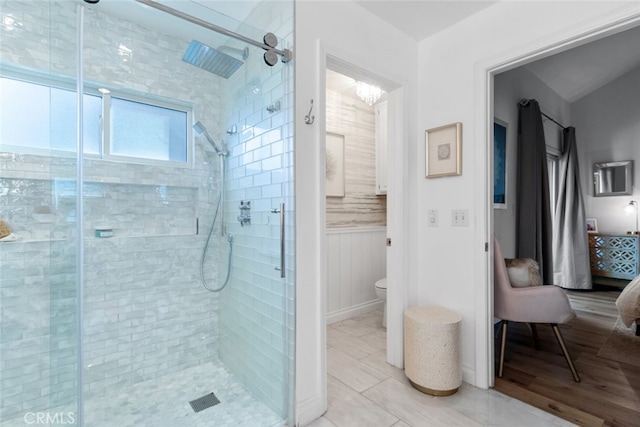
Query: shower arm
[286,54]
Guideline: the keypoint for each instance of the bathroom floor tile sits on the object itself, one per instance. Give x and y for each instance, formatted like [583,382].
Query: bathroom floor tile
[353,346]
[348,408]
[352,372]
[415,407]
[322,422]
[364,390]
[376,339]
[378,360]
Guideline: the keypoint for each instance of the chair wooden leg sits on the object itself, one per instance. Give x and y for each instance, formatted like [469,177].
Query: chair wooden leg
[563,346]
[503,344]
[534,333]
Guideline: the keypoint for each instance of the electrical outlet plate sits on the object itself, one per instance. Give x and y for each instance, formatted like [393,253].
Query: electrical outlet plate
[460,218]
[432,217]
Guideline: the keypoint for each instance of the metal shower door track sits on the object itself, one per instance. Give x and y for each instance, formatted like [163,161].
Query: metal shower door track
[285,53]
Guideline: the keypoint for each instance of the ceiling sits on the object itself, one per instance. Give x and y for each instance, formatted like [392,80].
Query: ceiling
[572,74]
[579,71]
[340,82]
[423,18]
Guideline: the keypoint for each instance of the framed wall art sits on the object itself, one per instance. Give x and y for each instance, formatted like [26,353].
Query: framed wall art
[499,164]
[443,151]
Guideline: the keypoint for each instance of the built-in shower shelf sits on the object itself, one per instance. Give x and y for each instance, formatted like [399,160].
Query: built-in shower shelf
[39,176]
[4,242]
[135,236]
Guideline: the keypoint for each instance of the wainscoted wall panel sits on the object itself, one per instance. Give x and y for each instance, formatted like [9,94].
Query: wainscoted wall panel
[349,116]
[356,258]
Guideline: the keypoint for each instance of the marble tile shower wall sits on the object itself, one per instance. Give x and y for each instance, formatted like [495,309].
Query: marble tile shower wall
[146,313]
[256,311]
[37,289]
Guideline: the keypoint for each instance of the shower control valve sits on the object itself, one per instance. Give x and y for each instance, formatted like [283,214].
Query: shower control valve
[245,212]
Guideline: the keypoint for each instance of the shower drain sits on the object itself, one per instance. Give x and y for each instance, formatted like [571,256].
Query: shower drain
[204,402]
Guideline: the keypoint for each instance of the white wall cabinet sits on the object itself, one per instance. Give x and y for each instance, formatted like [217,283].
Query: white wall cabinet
[381,147]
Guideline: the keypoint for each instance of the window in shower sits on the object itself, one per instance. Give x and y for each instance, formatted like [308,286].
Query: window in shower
[32,126]
[138,130]
[131,129]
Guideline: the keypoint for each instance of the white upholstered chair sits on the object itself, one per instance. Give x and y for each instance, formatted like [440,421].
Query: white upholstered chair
[532,305]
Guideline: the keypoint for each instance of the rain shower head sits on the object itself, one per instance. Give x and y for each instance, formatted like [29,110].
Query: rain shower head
[199,127]
[210,59]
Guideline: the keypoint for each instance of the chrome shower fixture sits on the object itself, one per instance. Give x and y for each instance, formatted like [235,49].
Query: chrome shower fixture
[199,127]
[269,39]
[274,107]
[211,60]
[244,53]
[245,212]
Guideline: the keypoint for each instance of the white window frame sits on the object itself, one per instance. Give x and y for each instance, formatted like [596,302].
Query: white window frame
[66,83]
[155,102]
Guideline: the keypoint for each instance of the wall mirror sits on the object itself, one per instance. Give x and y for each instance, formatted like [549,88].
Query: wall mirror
[612,178]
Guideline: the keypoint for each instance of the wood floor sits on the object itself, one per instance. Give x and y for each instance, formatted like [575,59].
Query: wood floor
[609,393]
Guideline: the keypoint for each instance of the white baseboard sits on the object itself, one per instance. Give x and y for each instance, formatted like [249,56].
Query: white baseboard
[310,410]
[469,375]
[349,312]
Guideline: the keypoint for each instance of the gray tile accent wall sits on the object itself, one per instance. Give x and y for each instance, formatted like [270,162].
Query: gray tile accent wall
[347,115]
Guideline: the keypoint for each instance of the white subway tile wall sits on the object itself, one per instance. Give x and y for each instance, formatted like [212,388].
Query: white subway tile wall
[257,310]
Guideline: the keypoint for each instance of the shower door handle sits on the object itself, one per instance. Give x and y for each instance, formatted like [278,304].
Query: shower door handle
[281,212]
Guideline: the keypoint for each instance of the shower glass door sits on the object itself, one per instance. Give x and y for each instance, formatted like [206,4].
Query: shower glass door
[39,243]
[162,219]
[105,319]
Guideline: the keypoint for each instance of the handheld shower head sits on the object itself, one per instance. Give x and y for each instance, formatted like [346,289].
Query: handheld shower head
[199,127]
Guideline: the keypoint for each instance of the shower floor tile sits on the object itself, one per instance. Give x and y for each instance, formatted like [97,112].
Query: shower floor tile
[164,402]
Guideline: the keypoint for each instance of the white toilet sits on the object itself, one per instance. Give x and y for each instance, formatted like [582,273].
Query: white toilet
[381,292]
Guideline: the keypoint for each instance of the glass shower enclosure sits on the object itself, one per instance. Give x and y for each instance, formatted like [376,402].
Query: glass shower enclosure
[146,213]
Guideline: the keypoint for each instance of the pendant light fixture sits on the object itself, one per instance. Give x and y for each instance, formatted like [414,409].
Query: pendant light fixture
[368,93]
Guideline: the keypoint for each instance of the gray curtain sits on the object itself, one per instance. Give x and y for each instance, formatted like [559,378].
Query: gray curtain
[533,219]
[570,239]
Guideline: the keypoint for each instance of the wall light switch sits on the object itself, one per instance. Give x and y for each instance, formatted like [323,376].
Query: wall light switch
[460,218]
[432,217]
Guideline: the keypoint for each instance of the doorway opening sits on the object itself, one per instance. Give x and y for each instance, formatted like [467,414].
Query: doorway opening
[377,252]
[524,78]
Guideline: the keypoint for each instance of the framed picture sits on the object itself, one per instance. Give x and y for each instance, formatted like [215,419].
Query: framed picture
[334,171]
[443,151]
[499,164]
[592,225]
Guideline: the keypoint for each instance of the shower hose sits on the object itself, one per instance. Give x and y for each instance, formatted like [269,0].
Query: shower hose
[204,251]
